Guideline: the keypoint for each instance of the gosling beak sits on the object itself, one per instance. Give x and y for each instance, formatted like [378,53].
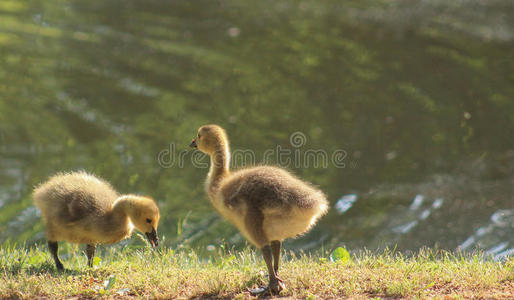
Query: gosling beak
[153,238]
[193,144]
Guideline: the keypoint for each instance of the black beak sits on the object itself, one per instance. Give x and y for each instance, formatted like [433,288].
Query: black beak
[153,238]
[193,144]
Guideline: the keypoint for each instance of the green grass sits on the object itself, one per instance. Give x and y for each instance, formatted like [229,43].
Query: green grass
[167,273]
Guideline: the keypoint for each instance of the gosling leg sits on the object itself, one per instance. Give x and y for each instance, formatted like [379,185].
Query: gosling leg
[275,284]
[254,223]
[90,252]
[275,249]
[54,247]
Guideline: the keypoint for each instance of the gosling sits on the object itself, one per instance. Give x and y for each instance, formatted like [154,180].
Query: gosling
[267,204]
[81,208]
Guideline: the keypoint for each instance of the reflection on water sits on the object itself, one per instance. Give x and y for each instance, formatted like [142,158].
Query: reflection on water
[345,203]
[416,203]
[447,212]
[417,94]
[494,237]
[415,215]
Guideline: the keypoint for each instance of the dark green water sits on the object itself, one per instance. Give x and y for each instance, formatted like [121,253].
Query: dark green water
[384,100]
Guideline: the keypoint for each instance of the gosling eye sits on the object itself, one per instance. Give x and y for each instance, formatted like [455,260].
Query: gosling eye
[148,220]
[198,135]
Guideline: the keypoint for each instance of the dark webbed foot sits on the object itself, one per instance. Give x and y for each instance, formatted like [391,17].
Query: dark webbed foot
[274,287]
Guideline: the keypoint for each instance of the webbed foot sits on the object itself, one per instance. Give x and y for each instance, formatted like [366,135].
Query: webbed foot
[275,286]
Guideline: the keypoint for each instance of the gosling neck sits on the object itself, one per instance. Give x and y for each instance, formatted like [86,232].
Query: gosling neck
[121,211]
[220,161]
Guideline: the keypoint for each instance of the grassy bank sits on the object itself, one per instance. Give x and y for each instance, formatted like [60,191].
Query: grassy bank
[167,273]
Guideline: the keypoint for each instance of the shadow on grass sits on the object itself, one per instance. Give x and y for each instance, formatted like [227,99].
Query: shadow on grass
[40,268]
[212,296]
[233,294]
[255,281]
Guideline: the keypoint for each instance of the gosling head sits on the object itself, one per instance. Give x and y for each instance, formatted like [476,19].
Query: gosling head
[210,139]
[144,215]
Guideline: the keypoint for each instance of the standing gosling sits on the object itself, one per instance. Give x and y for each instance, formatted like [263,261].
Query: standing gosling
[267,204]
[81,208]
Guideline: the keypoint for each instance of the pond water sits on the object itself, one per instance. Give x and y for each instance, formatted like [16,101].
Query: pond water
[401,111]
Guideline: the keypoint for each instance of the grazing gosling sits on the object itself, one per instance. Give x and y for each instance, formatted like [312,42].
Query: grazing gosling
[81,208]
[267,204]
